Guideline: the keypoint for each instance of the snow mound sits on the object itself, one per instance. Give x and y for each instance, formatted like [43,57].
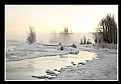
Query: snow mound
[25,51]
[26,46]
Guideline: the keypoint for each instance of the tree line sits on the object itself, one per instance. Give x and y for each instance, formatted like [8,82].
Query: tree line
[107,30]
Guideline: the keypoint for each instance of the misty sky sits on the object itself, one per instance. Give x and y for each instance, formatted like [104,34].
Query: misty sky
[47,18]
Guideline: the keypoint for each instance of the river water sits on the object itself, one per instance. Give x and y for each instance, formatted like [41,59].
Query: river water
[25,69]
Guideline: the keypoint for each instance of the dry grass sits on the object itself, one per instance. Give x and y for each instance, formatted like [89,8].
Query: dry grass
[106,45]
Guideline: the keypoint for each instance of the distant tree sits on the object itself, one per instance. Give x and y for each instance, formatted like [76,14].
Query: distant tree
[81,41]
[53,36]
[88,41]
[66,31]
[31,38]
[65,34]
[73,45]
[84,39]
[99,36]
[95,40]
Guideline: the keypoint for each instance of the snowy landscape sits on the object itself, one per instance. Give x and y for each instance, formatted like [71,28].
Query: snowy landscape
[61,43]
[103,68]
[101,64]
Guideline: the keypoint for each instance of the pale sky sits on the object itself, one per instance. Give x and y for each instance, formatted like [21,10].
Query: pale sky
[46,18]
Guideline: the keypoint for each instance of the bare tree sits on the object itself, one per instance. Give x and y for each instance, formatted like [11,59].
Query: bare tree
[84,39]
[65,34]
[31,38]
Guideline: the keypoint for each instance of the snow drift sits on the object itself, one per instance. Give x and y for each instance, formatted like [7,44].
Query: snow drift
[25,51]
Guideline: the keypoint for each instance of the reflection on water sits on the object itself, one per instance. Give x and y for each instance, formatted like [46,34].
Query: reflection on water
[24,69]
[55,37]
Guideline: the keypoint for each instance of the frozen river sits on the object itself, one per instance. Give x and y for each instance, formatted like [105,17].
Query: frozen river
[25,69]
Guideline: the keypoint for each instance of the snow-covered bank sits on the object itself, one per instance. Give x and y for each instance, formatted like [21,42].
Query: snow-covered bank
[26,51]
[104,68]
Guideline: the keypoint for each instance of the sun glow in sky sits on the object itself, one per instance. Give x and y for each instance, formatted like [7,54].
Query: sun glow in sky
[47,18]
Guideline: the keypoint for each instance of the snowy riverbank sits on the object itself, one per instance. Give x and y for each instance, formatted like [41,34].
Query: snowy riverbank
[26,51]
[104,68]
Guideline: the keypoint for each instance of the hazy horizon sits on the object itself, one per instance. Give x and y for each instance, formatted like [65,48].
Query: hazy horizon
[49,18]
[50,37]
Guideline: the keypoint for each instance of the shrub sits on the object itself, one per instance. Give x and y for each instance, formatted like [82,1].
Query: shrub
[73,45]
[60,44]
[106,45]
[61,48]
[31,38]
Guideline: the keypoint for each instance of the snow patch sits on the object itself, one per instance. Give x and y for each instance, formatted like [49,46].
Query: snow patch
[26,51]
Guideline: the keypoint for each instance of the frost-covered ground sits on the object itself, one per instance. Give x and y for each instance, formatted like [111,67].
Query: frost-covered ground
[26,51]
[104,68]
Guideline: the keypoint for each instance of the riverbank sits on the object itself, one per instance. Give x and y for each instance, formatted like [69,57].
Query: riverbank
[25,51]
[104,68]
